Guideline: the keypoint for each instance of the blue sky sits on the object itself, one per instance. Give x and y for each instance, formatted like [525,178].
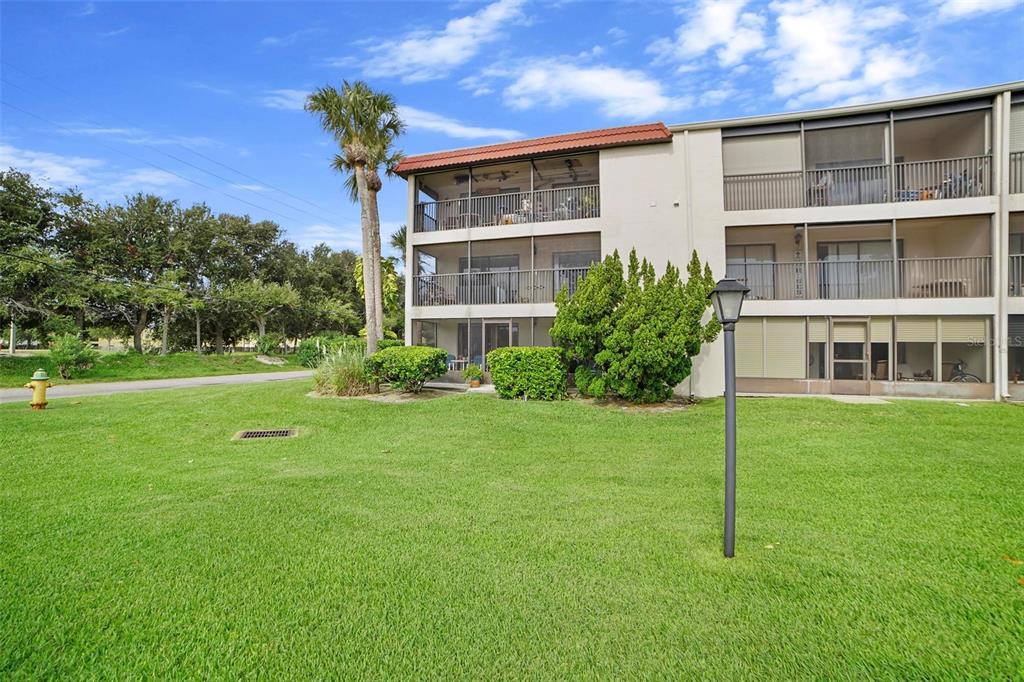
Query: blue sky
[118,97]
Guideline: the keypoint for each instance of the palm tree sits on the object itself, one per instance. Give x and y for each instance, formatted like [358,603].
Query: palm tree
[397,241]
[365,124]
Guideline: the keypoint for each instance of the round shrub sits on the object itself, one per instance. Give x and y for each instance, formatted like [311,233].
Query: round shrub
[70,355]
[407,367]
[528,372]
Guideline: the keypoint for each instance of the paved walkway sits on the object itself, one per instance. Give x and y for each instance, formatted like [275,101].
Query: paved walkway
[11,395]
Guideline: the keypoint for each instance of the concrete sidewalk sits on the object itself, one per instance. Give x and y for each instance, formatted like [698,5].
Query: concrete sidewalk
[13,395]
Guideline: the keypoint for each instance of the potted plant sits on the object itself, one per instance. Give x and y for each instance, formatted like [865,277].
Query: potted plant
[472,375]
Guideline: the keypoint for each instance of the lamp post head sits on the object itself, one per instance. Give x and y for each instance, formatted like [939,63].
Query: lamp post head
[727,299]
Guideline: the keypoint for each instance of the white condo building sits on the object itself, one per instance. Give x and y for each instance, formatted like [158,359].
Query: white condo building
[883,244]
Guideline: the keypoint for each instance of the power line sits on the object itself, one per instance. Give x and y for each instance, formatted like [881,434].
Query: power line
[153,165]
[181,144]
[181,160]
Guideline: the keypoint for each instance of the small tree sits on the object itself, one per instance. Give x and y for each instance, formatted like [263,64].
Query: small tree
[638,333]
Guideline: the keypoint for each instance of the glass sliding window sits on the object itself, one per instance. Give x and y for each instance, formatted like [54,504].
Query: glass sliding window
[754,265]
[856,269]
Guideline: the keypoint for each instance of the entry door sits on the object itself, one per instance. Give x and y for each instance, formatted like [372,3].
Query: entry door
[498,334]
[851,357]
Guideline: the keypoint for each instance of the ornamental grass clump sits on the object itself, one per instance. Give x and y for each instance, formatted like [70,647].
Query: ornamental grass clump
[342,373]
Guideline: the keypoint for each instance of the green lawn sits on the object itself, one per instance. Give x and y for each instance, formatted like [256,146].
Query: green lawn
[130,366]
[474,538]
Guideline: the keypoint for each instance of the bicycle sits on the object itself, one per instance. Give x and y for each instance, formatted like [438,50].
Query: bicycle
[961,376]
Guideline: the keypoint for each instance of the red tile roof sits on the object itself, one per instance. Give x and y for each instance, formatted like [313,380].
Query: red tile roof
[571,142]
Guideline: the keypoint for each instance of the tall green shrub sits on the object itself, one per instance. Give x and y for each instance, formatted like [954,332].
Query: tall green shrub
[407,367]
[639,332]
[528,372]
[70,355]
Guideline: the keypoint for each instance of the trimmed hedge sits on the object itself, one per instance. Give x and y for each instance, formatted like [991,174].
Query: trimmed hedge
[527,372]
[389,343]
[407,367]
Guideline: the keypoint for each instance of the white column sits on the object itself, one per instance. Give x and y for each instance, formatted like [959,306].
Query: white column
[1001,242]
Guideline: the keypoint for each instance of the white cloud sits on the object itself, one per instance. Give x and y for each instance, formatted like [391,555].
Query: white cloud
[138,136]
[619,93]
[206,87]
[88,9]
[53,170]
[824,51]
[249,187]
[115,32]
[288,39]
[959,9]
[62,172]
[428,55]
[720,24]
[335,237]
[284,98]
[418,119]
[138,180]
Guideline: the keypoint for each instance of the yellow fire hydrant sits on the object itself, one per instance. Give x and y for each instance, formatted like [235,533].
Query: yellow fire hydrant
[40,382]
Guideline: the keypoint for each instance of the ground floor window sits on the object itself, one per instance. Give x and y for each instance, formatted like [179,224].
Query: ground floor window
[915,361]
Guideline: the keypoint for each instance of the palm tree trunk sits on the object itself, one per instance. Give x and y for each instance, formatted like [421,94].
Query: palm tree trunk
[370,299]
[378,288]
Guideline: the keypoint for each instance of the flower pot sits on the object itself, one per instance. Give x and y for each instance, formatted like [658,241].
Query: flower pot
[474,383]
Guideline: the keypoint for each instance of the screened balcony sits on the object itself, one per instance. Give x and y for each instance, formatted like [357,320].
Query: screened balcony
[912,155]
[533,191]
[502,271]
[468,341]
[938,258]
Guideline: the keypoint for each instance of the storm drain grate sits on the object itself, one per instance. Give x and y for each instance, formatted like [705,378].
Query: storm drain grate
[253,434]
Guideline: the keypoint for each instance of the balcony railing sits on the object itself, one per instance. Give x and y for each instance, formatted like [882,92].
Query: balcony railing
[1017,172]
[849,185]
[538,206]
[969,176]
[490,288]
[763,190]
[965,277]
[1016,275]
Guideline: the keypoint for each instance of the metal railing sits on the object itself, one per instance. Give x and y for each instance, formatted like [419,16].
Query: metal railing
[969,176]
[538,206]
[847,186]
[1016,275]
[495,288]
[963,277]
[1016,172]
[763,190]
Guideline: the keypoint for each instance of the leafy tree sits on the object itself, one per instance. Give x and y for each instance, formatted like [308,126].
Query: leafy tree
[638,333]
[259,300]
[365,125]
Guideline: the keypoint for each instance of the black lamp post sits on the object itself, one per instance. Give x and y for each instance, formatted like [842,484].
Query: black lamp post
[727,299]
